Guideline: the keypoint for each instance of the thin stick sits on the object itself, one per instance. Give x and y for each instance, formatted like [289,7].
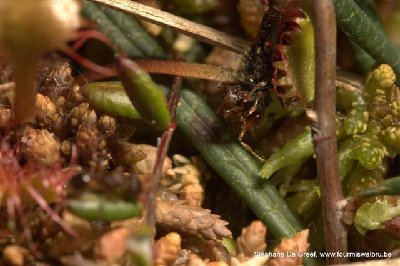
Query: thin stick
[162,152]
[174,68]
[325,136]
[187,27]
[185,69]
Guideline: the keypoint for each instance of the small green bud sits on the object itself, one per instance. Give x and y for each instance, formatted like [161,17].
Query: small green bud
[356,122]
[146,96]
[391,137]
[382,77]
[371,216]
[369,152]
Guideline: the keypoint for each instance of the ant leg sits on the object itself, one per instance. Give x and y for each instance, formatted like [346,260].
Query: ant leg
[247,147]
[259,85]
[254,107]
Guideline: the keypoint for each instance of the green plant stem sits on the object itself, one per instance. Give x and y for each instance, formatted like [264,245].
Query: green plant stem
[92,11]
[296,150]
[365,61]
[135,33]
[360,29]
[389,186]
[190,28]
[234,164]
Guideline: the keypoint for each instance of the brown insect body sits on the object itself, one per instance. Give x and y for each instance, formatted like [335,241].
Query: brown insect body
[245,102]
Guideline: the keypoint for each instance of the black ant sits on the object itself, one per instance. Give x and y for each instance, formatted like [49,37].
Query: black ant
[245,102]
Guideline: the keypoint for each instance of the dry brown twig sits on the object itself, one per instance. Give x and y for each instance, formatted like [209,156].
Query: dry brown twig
[187,27]
[184,69]
[325,129]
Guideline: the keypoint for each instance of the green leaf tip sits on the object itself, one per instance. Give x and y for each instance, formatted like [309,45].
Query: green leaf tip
[94,207]
[147,98]
[110,97]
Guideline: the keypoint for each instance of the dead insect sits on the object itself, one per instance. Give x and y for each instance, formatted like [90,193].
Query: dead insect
[244,102]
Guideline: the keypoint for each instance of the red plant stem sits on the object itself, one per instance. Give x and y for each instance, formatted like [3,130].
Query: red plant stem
[84,35]
[103,71]
[185,69]
[162,150]
[325,136]
[174,68]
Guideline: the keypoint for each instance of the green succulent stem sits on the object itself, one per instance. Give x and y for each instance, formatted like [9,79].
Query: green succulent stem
[93,12]
[365,61]
[360,29]
[297,149]
[134,32]
[305,201]
[389,186]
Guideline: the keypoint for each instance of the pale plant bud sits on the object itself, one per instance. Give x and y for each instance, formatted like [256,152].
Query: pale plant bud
[167,249]
[298,244]
[252,239]
[40,146]
[30,28]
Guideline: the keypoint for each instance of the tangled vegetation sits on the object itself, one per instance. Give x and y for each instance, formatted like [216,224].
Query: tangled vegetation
[146,133]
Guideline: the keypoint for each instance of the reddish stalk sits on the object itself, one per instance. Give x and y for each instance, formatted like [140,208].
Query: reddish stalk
[173,68]
[162,152]
[103,71]
[190,70]
[82,37]
[85,35]
[325,136]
